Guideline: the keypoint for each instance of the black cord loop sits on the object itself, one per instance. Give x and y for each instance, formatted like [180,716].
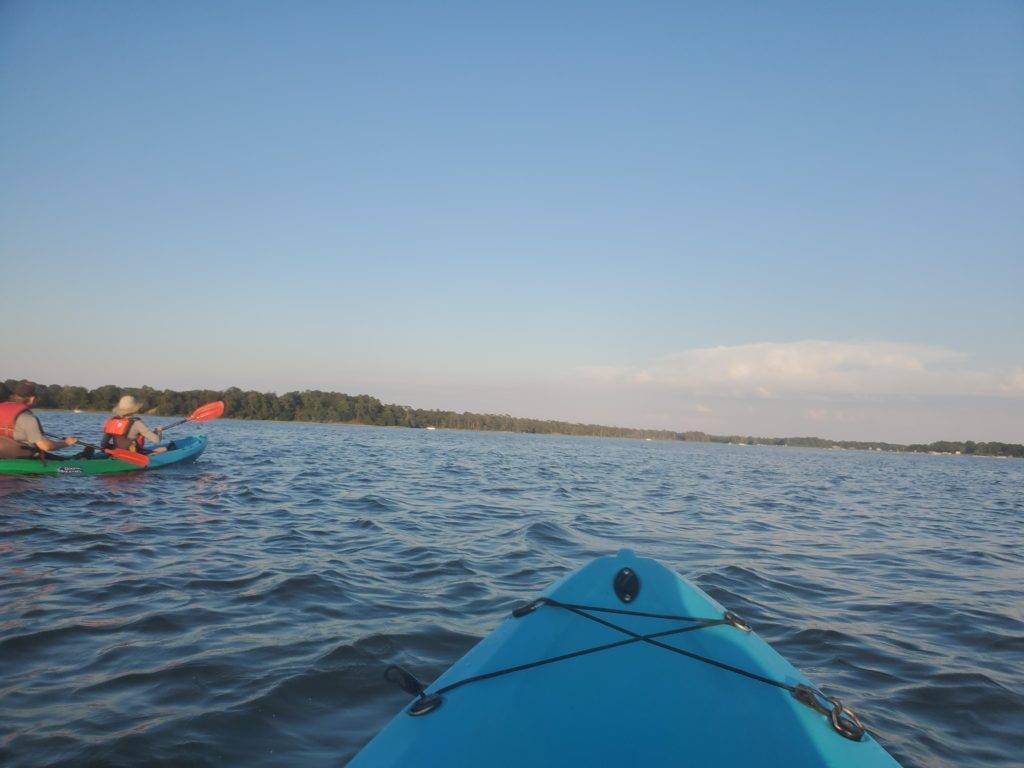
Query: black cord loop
[844,720]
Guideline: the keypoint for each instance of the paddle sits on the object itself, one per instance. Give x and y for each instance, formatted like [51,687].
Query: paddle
[138,459]
[207,412]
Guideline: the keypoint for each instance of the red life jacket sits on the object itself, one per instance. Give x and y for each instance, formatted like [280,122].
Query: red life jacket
[115,434]
[9,447]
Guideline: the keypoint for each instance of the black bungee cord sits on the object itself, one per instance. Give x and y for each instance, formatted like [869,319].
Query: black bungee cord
[842,718]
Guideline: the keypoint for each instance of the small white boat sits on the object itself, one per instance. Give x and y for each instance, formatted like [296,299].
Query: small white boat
[431,428]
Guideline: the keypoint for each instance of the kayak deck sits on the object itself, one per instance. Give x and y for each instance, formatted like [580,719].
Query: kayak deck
[635,701]
[186,449]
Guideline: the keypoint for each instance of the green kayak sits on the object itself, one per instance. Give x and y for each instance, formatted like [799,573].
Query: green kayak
[185,450]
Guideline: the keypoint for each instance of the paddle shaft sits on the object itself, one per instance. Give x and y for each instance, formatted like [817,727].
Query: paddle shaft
[64,445]
[174,424]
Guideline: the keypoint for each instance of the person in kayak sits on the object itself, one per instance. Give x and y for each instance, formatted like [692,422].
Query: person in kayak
[21,434]
[126,431]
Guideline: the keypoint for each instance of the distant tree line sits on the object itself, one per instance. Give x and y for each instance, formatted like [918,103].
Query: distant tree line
[969,447]
[317,406]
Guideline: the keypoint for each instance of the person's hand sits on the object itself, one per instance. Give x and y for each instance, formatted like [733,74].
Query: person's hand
[69,440]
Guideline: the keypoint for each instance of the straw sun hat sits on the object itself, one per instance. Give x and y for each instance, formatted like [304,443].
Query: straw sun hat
[126,406]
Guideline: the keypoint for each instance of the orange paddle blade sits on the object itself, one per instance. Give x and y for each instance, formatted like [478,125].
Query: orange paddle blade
[208,412]
[138,459]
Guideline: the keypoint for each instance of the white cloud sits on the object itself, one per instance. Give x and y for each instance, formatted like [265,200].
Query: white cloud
[820,368]
[1015,381]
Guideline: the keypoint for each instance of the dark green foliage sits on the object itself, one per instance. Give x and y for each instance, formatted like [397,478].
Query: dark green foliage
[314,405]
[942,446]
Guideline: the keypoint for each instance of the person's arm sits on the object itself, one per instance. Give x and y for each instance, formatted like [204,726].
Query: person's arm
[46,444]
[140,428]
[34,435]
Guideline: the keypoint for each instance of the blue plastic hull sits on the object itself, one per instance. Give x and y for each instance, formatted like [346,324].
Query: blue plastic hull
[186,449]
[635,704]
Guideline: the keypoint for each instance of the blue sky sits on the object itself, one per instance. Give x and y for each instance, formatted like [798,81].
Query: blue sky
[780,218]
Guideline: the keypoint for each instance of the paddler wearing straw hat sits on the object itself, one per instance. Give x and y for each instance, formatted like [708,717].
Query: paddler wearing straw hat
[125,430]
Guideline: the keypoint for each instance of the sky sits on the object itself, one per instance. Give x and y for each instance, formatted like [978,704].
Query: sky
[755,218]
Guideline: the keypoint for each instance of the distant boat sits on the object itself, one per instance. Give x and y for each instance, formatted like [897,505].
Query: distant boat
[78,410]
[431,428]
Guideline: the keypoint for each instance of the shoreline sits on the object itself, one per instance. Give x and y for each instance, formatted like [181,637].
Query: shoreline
[863,446]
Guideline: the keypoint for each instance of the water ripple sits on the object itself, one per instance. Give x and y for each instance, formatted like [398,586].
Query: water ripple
[241,610]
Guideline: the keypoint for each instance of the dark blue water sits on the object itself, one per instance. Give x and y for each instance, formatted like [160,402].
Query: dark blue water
[241,610]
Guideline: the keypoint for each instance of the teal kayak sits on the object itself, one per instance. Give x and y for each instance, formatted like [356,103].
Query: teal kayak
[185,449]
[622,663]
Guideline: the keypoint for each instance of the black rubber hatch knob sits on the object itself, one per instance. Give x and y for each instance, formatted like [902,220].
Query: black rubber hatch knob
[626,585]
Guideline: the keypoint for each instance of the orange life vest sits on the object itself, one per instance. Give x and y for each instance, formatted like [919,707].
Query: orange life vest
[9,447]
[115,434]
[9,413]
